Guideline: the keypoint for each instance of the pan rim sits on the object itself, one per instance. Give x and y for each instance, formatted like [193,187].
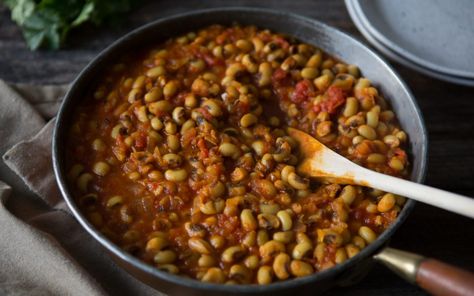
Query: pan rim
[195,284]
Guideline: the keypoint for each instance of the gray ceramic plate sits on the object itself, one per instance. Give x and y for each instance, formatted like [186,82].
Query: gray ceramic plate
[364,28]
[436,36]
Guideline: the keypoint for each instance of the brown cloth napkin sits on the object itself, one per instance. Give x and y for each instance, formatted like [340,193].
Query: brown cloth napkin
[43,250]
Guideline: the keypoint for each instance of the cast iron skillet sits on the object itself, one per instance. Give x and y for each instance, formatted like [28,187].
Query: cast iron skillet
[328,39]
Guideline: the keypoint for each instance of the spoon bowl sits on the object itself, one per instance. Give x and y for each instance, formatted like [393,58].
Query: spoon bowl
[321,162]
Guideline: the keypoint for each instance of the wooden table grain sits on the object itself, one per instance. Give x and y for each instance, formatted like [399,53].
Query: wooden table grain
[448,111]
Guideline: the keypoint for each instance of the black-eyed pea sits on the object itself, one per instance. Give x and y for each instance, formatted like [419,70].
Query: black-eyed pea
[240,273]
[83,181]
[233,254]
[88,199]
[244,45]
[351,107]
[251,262]
[206,261]
[300,268]
[199,245]
[391,141]
[156,175]
[348,194]
[98,145]
[265,70]
[173,142]
[323,82]
[134,176]
[177,175]
[341,255]
[95,218]
[134,95]
[386,203]
[309,73]
[376,158]
[272,208]
[217,241]
[156,71]
[238,174]
[352,250]
[159,107]
[402,136]
[249,62]
[153,95]
[297,182]
[170,88]
[259,147]
[247,220]
[268,221]
[324,128]
[333,238]
[229,150]
[195,229]
[387,115]
[262,237]
[396,164]
[248,120]
[131,236]
[285,172]
[156,123]
[125,214]
[367,132]
[234,69]
[172,160]
[250,239]
[271,248]
[264,275]
[265,188]
[281,266]
[165,257]
[358,242]
[217,189]
[187,125]
[171,128]
[114,201]
[179,115]
[285,219]
[315,60]
[319,252]
[212,207]
[284,236]
[367,234]
[170,268]
[139,82]
[217,51]
[302,249]
[214,275]
[213,107]
[371,208]
[75,171]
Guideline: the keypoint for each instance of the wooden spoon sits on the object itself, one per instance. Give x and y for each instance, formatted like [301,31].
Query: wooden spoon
[320,161]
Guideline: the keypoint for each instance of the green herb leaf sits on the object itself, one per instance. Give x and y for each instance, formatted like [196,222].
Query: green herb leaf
[46,23]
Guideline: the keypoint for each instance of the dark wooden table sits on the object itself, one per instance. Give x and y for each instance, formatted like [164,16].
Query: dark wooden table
[448,110]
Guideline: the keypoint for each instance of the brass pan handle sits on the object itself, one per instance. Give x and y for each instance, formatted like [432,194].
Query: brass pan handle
[434,276]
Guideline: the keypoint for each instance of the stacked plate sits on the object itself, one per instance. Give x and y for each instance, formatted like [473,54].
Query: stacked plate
[434,37]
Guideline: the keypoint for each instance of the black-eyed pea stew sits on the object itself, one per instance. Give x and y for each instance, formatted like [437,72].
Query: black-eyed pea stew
[178,157]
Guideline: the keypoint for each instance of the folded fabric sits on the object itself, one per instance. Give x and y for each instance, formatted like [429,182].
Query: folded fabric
[44,251]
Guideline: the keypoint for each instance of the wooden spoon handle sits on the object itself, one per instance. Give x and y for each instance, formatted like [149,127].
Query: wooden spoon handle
[436,197]
[440,278]
[436,277]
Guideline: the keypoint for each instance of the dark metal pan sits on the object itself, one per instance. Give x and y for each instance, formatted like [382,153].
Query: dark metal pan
[327,38]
